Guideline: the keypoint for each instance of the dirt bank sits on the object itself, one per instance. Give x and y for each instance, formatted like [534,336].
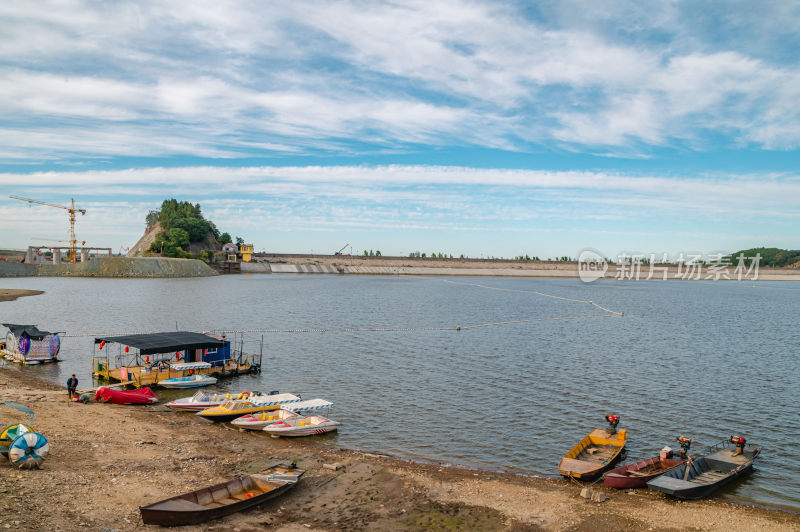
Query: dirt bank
[10,294]
[106,461]
[112,267]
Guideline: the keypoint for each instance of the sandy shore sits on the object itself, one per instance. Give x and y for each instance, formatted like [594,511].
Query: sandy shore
[108,460]
[9,294]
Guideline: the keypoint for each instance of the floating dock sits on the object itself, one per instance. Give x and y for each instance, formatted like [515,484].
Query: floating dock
[147,359]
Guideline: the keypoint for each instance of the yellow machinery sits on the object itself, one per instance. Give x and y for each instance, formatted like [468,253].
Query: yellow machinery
[246,251]
[72,210]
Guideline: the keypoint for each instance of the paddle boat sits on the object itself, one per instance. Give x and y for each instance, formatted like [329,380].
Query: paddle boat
[27,344]
[701,476]
[192,381]
[222,499]
[23,447]
[594,453]
[233,408]
[207,399]
[636,475]
[302,426]
[259,421]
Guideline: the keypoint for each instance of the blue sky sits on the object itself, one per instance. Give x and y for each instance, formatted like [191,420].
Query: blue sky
[482,128]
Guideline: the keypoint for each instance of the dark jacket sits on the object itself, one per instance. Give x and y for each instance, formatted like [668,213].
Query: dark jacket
[72,383]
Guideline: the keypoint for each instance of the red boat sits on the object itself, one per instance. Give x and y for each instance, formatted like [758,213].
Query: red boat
[142,396]
[636,475]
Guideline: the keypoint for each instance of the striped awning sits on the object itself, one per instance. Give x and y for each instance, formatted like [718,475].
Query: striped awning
[190,365]
[310,404]
[275,399]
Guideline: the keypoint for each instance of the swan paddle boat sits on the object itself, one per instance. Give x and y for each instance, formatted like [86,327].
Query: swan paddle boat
[259,421]
[595,453]
[233,408]
[302,426]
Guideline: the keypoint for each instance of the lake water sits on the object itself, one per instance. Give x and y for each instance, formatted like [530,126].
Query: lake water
[701,359]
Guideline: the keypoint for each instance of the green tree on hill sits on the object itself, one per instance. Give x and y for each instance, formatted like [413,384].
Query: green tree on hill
[774,257]
[182,223]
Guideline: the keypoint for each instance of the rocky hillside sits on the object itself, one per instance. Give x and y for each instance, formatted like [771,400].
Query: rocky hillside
[144,243]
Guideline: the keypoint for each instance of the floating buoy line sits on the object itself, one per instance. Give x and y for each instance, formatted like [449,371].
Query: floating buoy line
[608,314]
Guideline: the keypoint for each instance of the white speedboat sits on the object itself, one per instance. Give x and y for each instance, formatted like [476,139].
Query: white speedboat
[199,401]
[302,426]
[208,399]
[192,381]
[262,419]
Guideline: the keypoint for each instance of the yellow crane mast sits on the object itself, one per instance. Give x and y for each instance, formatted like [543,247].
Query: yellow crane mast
[72,210]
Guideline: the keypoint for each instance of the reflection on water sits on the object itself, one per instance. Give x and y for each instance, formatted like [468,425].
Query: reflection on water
[700,359]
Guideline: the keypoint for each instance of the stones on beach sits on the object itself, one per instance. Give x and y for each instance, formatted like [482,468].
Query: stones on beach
[593,495]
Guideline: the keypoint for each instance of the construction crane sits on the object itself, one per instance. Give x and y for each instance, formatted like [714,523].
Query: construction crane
[343,248]
[82,242]
[72,210]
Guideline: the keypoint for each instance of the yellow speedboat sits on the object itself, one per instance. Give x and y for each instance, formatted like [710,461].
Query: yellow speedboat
[233,408]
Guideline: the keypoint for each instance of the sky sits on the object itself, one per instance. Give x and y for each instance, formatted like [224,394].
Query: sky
[489,129]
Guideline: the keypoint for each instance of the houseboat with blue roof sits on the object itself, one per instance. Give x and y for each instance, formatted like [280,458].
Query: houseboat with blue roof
[148,359]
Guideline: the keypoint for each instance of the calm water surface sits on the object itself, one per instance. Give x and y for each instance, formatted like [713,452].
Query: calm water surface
[701,359]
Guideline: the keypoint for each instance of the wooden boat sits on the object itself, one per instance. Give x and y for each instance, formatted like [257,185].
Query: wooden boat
[192,381]
[233,408]
[701,476]
[222,499]
[595,453]
[636,475]
[259,421]
[302,426]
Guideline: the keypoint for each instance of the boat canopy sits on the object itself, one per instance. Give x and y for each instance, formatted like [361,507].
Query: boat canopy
[164,342]
[32,331]
[310,404]
[190,365]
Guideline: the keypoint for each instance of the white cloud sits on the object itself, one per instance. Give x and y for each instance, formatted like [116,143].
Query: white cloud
[222,80]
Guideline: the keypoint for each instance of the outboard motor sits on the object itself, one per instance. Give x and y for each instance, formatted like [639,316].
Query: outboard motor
[685,443]
[613,421]
[739,442]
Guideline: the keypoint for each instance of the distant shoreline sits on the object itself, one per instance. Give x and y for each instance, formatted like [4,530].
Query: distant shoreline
[345,264]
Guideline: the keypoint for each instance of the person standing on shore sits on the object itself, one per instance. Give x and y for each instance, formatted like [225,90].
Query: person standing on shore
[72,386]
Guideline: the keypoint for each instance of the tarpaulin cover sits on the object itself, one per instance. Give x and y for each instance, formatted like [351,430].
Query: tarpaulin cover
[126,397]
[164,342]
[32,331]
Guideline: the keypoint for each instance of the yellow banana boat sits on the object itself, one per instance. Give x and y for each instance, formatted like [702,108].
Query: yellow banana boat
[231,409]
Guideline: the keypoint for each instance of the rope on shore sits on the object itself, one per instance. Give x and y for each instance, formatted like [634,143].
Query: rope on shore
[537,293]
